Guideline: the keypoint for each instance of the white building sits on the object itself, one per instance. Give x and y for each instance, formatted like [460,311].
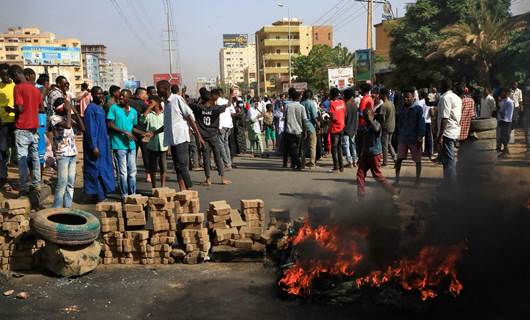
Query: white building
[238,65]
[116,74]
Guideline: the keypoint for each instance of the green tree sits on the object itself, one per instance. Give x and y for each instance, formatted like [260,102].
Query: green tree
[415,36]
[480,38]
[313,68]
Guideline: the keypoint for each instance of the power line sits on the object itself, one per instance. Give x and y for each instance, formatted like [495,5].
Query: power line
[141,17]
[118,9]
[142,9]
[327,12]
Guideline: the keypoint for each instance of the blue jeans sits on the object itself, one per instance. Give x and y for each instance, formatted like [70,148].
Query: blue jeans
[348,146]
[448,158]
[64,192]
[125,161]
[27,142]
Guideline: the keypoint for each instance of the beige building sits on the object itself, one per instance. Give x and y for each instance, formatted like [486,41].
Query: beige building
[70,64]
[94,58]
[115,74]
[272,50]
[238,65]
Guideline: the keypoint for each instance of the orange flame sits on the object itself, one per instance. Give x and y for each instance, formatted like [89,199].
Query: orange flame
[425,273]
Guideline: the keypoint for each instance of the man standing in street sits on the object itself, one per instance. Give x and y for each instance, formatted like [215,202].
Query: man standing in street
[7,125]
[468,113]
[27,103]
[310,142]
[295,122]
[178,118]
[505,120]
[350,128]
[388,116]
[122,120]
[226,126]
[526,113]
[517,97]
[366,102]
[449,115]
[207,114]
[98,171]
[138,102]
[411,133]
[337,111]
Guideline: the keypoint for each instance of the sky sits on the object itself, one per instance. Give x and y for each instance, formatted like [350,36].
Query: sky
[138,39]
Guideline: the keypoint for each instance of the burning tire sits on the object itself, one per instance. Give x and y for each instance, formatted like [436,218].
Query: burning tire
[483,124]
[66,226]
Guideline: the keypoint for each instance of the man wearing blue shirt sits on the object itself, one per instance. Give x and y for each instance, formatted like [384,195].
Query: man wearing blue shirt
[504,120]
[122,121]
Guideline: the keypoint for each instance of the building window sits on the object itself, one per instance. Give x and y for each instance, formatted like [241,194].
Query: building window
[278,64]
[329,36]
[277,37]
[35,40]
[278,51]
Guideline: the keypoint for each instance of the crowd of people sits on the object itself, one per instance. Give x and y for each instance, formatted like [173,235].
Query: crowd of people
[369,129]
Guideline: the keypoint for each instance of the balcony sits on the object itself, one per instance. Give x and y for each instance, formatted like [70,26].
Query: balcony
[281,42]
[278,56]
[276,69]
[281,29]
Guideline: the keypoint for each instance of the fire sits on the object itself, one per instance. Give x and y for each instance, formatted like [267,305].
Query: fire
[426,272]
[341,256]
[337,252]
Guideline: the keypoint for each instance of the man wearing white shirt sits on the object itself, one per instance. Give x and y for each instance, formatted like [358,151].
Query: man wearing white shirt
[226,125]
[487,104]
[449,115]
[178,117]
[517,96]
[424,94]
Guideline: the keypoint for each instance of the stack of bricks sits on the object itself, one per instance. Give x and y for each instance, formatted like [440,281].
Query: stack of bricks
[15,253]
[194,238]
[134,212]
[234,238]
[112,229]
[164,227]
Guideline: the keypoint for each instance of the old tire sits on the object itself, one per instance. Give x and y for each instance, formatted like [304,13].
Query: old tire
[484,145]
[484,135]
[66,226]
[483,124]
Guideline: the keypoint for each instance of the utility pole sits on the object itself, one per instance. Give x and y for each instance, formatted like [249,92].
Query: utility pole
[369,24]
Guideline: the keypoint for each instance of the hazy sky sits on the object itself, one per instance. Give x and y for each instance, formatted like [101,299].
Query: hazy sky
[200,25]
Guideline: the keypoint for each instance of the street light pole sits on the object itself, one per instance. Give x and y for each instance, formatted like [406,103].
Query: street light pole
[282,5]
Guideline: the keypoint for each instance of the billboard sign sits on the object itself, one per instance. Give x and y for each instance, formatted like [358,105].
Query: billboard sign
[299,86]
[131,84]
[174,79]
[340,78]
[51,56]
[364,70]
[235,40]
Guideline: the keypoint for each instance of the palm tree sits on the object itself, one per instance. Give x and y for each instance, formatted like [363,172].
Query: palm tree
[342,57]
[481,38]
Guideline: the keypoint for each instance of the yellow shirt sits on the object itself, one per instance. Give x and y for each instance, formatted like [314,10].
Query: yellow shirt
[7,99]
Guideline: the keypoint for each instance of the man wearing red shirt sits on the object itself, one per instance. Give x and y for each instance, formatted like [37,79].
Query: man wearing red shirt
[337,111]
[366,102]
[27,103]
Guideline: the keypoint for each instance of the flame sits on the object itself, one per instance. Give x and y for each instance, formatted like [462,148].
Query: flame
[431,268]
[345,256]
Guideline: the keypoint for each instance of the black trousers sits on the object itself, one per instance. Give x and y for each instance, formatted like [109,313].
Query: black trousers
[292,148]
[212,144]
[180,155]
[336,151]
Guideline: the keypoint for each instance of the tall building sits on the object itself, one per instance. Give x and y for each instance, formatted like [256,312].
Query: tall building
[44,53]
[237,63]
[116,74]
[94,64]
[272,49]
